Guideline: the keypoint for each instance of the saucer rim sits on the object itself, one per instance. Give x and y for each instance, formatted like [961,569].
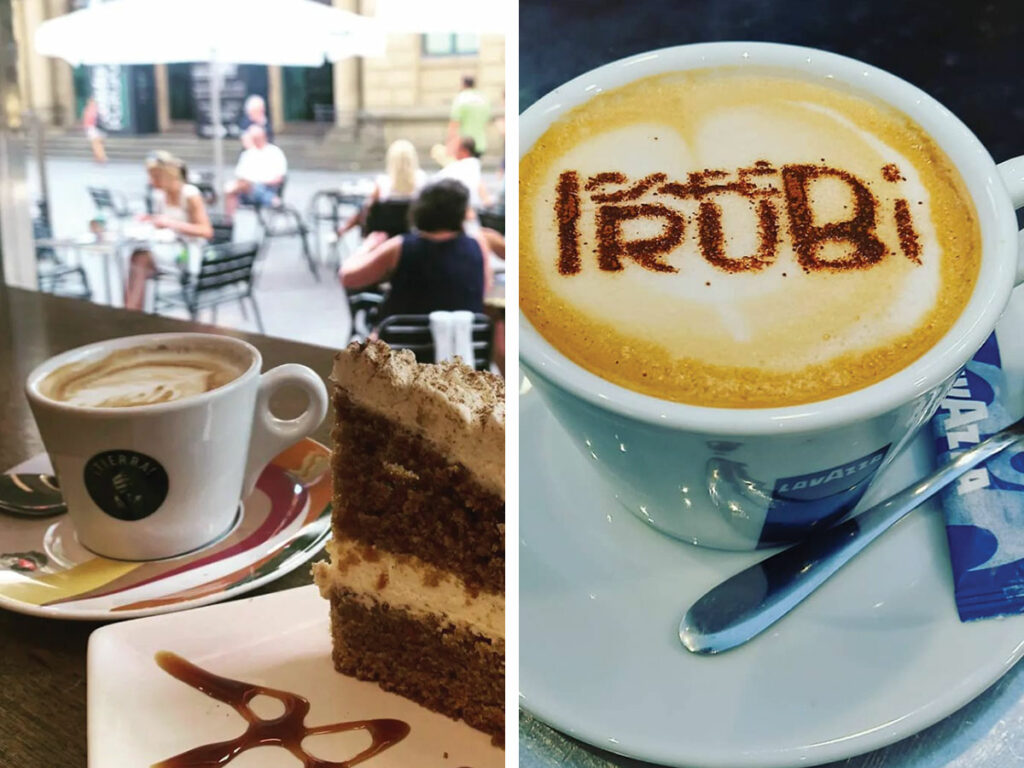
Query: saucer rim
[299,559]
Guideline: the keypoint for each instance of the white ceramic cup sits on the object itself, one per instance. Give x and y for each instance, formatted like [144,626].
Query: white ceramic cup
[743,478]
[185,464]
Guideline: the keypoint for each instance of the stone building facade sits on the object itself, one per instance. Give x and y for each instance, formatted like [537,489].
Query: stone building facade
[369,102]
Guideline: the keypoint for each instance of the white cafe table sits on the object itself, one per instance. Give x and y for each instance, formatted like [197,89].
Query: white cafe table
[114,247]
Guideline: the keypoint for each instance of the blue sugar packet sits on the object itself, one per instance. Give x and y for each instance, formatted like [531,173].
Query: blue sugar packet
[985,507]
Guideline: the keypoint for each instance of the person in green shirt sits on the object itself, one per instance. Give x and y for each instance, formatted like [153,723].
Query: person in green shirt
[471,113]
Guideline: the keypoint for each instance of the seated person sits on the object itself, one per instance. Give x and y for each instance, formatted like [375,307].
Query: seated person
[254,112]
[403,180]
[260,172]
[466,169]
[178,207]
[435,267]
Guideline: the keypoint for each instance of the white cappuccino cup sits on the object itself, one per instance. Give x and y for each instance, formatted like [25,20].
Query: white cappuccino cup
[156,467]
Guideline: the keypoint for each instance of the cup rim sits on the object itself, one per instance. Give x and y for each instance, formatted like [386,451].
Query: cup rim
[41,371]
[996,216]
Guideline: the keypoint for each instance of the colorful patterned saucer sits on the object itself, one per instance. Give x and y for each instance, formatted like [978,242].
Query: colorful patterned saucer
[284,523]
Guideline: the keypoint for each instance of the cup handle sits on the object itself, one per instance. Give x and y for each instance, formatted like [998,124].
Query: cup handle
[271,435]
[1012,172]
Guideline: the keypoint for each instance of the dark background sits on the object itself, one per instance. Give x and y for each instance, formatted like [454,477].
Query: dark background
[968,55]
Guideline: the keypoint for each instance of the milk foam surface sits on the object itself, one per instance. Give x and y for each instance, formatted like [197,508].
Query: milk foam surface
[781,314]
[141,376]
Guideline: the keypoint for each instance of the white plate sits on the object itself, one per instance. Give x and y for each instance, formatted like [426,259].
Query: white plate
[876,655]
[139,715]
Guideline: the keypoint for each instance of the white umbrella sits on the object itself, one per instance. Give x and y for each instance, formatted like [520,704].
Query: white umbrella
[281,32]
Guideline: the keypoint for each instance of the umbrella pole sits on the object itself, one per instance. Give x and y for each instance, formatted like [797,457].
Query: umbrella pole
[218,139]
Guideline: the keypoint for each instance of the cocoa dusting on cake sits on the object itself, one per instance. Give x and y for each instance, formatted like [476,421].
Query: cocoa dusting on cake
[418,470]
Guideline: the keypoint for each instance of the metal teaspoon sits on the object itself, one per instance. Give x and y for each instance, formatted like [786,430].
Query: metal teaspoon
[746,604]
[31,495]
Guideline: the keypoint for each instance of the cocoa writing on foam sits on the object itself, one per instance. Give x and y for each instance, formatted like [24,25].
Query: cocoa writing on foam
[773,194]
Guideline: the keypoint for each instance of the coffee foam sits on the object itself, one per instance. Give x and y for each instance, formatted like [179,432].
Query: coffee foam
[142,375]
[687,329]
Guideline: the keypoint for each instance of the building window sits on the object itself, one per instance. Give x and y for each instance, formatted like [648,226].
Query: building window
[444,44]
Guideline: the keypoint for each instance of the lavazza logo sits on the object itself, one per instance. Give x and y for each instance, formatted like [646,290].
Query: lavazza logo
[126,484]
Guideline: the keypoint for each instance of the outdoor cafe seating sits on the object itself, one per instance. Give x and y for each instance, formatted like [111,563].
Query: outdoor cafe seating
[412,332]
[53,274]
[389,216]
[493,218]
[328,208]
[225,275]
[111,204]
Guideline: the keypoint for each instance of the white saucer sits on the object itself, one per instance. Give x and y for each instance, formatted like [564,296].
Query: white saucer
[284,523]
[139,715]
[876,655]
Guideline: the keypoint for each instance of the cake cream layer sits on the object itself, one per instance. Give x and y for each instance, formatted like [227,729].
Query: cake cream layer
[459,411]
[718,229]
[397,492]
[406,582]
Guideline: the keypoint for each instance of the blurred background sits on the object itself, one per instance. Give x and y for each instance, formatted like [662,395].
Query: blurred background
[94,111]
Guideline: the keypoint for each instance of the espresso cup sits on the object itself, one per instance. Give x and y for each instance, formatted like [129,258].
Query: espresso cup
[741,478]
[156,480]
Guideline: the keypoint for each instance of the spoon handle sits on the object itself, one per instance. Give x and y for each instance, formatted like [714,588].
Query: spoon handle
[746,604]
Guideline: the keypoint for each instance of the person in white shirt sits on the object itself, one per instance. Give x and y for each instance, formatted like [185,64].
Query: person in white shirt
[466,169]
[260,171]
[178,209]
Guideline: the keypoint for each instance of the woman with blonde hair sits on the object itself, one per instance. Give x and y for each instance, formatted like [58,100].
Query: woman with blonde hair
[178,209]
[403,180]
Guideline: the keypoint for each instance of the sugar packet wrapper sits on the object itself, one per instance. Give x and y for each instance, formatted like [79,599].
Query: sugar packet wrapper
[984,509]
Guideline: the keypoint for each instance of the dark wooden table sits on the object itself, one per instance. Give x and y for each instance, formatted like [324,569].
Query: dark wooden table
[42,661]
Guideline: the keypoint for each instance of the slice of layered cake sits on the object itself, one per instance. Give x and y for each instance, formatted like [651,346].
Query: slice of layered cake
[416,578]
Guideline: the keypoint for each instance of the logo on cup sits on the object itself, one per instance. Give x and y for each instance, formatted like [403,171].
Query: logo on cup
[126,484]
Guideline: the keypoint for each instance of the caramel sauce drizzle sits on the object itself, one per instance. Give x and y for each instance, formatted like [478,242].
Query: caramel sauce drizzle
[287,730]
[610,189]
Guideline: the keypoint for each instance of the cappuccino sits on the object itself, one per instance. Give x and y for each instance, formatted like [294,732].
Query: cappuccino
[729,239]
[142,375]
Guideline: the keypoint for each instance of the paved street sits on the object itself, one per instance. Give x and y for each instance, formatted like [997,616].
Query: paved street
[293,305]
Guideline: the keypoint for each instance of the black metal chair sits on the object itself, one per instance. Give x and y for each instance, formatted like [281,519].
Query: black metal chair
[364,307]
[283,220]
[493,218]
[390,216]
[225,274]
[204,182]
[111,203]
[53,274]
[413,332]
[223,229]
[328,208]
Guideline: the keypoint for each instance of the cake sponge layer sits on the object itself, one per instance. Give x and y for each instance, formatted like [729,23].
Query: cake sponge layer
[396,492]
[425,658]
